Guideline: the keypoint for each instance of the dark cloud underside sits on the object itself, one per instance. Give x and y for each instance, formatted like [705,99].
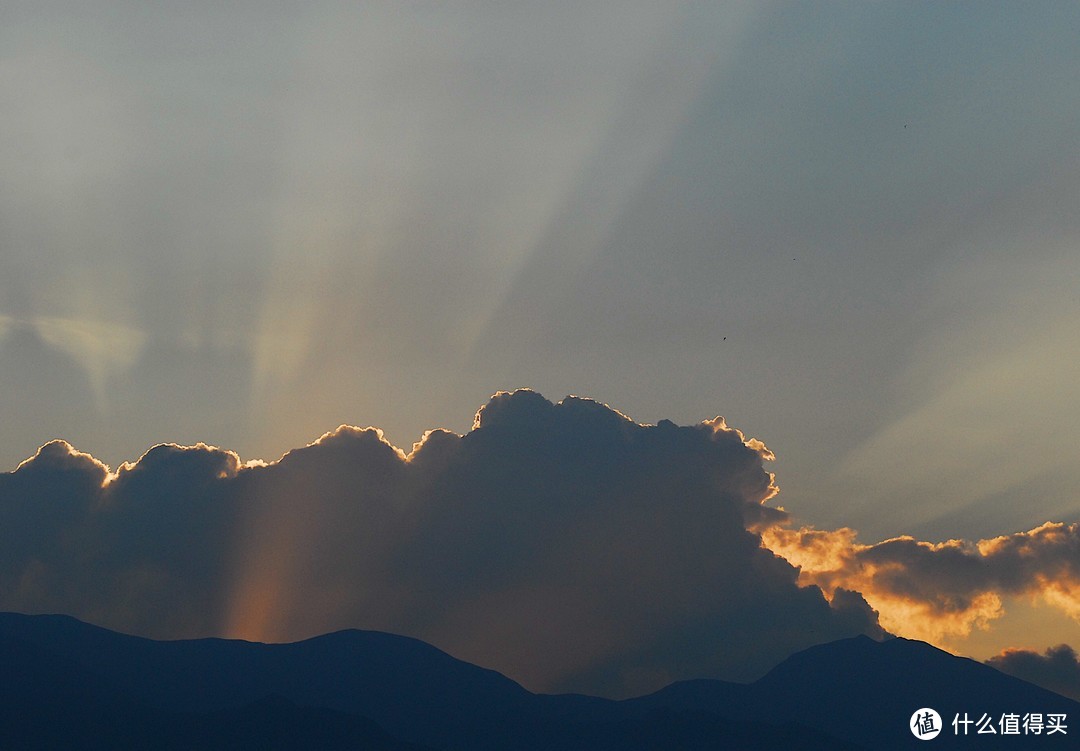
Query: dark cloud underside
[561,543]
[1058,669]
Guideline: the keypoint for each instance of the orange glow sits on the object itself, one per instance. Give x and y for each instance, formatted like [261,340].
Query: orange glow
[268,557]
[938,592]
[272,566]
[815,553]
[1064,595]
[829,559]
[255,607]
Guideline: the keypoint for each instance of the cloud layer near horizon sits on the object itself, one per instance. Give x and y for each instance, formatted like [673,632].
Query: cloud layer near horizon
[563,544]
[1058,669]
[934,591]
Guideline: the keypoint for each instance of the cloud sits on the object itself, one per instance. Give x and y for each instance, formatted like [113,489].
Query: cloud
[933,591]
[1058,669]
[47,391]
[139,548]
[563,544]
[100,348]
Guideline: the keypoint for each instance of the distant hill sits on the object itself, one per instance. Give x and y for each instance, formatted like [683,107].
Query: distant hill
[865,692]
[48,701]
[66,684]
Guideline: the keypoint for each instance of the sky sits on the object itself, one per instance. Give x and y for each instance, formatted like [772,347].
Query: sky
[850,229]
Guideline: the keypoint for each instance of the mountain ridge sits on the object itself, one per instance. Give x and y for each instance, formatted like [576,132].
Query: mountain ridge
[406,694]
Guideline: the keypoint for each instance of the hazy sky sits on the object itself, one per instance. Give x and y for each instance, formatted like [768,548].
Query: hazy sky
[850,228]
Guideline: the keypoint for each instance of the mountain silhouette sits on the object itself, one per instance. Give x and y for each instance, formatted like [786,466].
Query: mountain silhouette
[53,702]
[865,692]
[67,684]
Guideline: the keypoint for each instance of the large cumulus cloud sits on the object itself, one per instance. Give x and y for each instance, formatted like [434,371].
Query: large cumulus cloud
[561,543]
